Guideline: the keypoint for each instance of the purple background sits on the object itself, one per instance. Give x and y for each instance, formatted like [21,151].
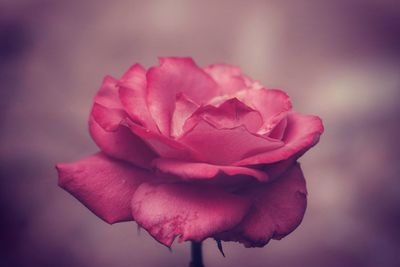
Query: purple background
[336,59]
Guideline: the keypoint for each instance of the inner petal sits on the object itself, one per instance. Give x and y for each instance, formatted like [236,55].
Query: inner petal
[225,146]
[184,108]
[175,75]
[229,78]
[273,105]
[230,114]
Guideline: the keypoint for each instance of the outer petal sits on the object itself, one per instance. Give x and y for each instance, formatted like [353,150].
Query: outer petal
[108,118]
[302,132]
[133,94]
[195,170]
[278,131]
[176,75]
[112,120]
[122,144]
[108,133]
[278,208]
[192,212]
[103,185]
[224,146]
[229,78]
[107,108]
[108,94]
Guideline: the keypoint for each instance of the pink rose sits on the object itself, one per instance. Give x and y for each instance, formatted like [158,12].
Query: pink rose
[196,153]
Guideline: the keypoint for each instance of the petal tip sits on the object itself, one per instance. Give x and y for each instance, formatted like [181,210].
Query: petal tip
[164,60]
[63,178]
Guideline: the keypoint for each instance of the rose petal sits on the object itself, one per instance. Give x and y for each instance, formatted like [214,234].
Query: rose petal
[272,104]
[121,144]
[229,78]
[103,185]
[112,119]
[105,126]
[107,109]
[133,93]
[108,133]
[192,212]
[302,132]
[269,102]
[196,170]
[230,114]
[278,130]
[184,108]
[276,169]
[278,208]
[175,75]
[224,146]
[107,95]
[162,145]
[108,118]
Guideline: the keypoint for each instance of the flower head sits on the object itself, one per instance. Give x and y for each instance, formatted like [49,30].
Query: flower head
[196,153]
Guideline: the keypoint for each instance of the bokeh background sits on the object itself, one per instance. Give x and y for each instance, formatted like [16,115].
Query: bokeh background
[337,59]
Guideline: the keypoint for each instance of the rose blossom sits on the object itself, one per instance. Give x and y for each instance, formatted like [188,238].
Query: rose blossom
[196,153]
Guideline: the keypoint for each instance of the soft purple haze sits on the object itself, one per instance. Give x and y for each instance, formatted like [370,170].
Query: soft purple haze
[337,59]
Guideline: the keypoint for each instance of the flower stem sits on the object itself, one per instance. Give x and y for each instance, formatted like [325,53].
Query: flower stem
[197,256]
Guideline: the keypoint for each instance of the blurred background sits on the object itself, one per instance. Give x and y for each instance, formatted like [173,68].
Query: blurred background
[336,59]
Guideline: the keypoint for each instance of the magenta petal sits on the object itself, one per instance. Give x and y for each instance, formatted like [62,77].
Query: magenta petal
[302,132]
[107,95]
[269,102]
[103,185]
[272,104]
[108,118]
[184,108]
[278,208]
[113,138]
[190,212]
[224,146]
[229,78]
[162,145]
[133,94]
[107,109]
[175,75]
[230,114]
[278,130]
[196,170]
[121,144]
